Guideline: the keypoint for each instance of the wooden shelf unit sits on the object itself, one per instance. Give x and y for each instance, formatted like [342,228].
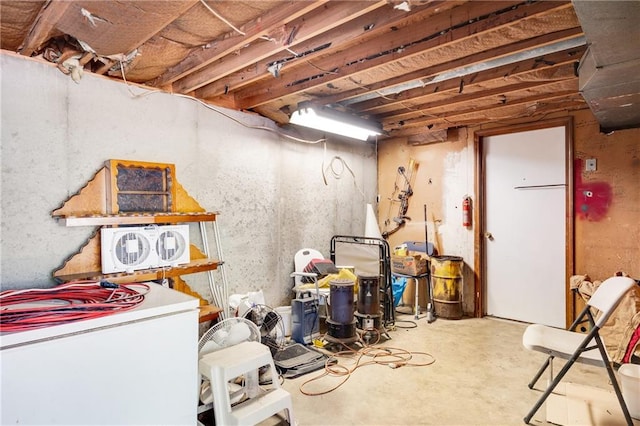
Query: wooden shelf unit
[193,267]
[96,205]
[86,264]
[137,219]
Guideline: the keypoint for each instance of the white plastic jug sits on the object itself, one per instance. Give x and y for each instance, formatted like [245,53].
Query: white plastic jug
[285,313]
[630,386]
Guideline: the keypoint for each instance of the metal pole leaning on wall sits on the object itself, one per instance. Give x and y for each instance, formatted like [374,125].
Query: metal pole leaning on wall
[216,292]
[207,253]
[223,272]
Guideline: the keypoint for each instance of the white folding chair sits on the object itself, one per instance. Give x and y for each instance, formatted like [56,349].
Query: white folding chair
[579,347]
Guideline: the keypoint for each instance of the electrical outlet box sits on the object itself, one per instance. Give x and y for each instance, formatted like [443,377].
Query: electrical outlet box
[590,165]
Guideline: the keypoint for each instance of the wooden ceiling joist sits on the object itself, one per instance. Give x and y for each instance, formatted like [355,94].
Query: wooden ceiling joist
[306,49]
[387,107]
[419,111]
[331,16]
[43,26]
[400,44]
[432,71]
[231,42]
[441,63]
[495,107]
[463,90]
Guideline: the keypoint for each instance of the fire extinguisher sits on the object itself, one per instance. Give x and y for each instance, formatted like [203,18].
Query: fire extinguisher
[466,211]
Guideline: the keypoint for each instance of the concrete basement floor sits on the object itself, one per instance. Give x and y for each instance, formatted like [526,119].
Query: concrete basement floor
[479,377]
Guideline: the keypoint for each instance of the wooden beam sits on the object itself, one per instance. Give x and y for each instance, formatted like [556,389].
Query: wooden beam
[65,16]
[562,70]
[184,5]
[232,42]
[347,53]
[84,60]
[332,15]
[378,21]
[537,107]
[106,66]
[541,111]
[43,26]
[347,63]
[455,118]
[422,111]
[519,46]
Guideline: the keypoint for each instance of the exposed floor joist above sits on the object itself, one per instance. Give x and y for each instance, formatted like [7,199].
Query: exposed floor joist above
[414,65]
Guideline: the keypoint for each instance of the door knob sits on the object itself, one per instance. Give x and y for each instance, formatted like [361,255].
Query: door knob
[488,236]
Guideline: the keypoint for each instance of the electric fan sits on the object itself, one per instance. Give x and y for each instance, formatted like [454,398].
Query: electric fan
[127,248]
[172,245]
[270,324]
[226,333]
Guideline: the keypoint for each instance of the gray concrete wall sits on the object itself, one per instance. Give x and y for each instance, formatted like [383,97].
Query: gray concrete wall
[269,190]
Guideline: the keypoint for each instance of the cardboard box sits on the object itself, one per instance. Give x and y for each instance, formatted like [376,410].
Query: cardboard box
[409,294]
[408,265]
[573,404]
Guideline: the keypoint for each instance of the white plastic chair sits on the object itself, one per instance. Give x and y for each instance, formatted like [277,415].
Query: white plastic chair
[302,259]
[578,347]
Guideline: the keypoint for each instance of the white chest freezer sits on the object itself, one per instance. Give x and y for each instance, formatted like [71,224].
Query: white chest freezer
[136,368]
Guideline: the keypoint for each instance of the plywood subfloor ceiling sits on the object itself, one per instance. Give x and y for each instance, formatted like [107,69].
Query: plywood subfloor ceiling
[418,67]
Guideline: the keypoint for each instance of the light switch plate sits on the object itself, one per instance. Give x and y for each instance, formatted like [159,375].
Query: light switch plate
[590,165]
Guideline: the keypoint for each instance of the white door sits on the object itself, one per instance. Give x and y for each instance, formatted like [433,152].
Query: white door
[525,186]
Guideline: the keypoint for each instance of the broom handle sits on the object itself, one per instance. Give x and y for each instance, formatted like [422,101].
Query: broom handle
[430,308]
[426,233]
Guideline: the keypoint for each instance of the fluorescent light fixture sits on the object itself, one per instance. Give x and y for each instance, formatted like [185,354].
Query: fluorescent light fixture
[332,121]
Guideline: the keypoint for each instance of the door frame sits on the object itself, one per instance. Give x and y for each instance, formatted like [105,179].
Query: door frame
[479,212]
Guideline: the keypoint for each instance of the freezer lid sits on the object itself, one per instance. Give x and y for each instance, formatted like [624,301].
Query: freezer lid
[159,301]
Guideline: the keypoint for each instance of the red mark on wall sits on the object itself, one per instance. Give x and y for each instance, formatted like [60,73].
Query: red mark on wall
[592,199]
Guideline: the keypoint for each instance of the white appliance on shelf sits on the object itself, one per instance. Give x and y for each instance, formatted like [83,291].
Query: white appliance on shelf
[172,245]
[127,249]
[134,367]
